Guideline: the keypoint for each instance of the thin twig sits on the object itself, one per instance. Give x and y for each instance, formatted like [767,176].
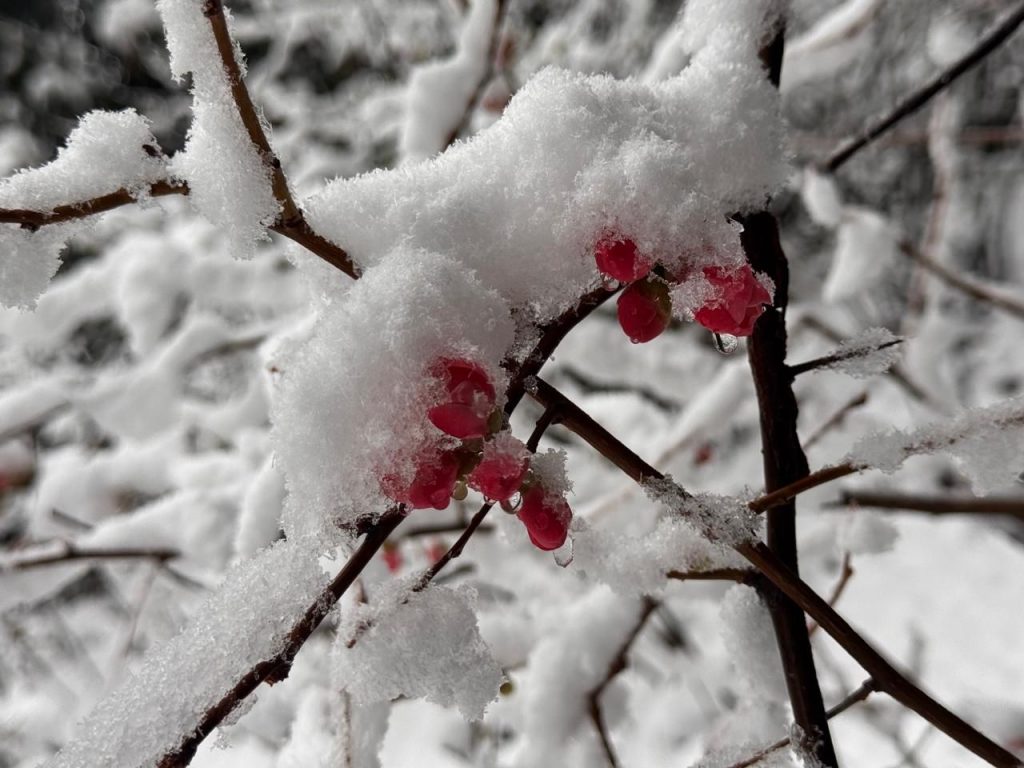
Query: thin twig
[934,505]
[895,372]
[973,288]
[865,690]
[836,419]
[888,678]
[813,480]
[739,575]
[23,561]
[85,208]
[617,665]
[838,357]
[845,572]
[986,45]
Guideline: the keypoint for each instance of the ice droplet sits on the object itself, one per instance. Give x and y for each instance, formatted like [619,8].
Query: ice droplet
[563,555]
[725,343]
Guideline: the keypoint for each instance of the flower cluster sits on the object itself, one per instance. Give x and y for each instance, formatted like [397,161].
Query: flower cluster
[487,458]
[735,301]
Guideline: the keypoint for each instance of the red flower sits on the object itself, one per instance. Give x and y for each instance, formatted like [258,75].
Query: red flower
[546,518]
[739,300]
[502,468]
[645,310]
[469,402]
[392,556]
[620,260]
[432,484]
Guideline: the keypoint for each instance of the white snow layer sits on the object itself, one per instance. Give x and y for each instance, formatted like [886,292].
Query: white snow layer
[228,181]
[421,645]
[440,92]
[245,622]
[106,152]
[471,249]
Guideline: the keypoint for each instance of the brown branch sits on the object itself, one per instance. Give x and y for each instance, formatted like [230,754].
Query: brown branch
[214,11]
[836,419]
[813,480]
[859,695]
[81,210]
[935,505]
[617,665]
[739,575]
[973,288]
[986,45]
[272,668]
[838,357]
[845,573]
[296,230]
[784,463]
[888,678]
[70,553]
[896,372]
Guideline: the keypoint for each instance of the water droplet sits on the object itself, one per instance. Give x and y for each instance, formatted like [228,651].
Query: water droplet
[725,343]
[563,555]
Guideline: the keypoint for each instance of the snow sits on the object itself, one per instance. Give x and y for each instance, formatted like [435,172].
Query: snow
[228,181]
[867,354]
[439,93]
[564,668]
[822,199]
[246,621]
[423,644]
[750,642]
[866,248]
[105,152]
[987,443]
[724,520]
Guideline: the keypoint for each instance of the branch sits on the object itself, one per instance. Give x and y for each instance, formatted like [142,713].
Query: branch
[35,219]
[22,561]
[297,230]
[896,371]
[887,677]
[935,505]
[838,357]
[836,418]
[614,668]
[739,575]
[866,689]
[214,11]
[988,43]
[813,480]
[784,463]
[845,573]
[271,669]
[975,289]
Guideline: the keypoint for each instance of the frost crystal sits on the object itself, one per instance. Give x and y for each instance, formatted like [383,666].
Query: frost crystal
[422,644]
[868,354]
[725,520]
[987,442]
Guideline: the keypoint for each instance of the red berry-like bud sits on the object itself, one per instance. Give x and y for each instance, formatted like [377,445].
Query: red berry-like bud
[432,484]
[645,310]
[546,518]
[619,259]
[501,469]
[739,300]
[469,401]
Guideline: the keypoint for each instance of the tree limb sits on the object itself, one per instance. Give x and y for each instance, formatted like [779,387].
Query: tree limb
[888,678]
[1000,32]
